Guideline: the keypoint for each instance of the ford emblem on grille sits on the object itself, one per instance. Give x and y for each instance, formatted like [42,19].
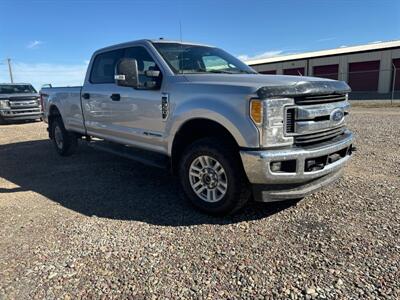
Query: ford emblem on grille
[337,115]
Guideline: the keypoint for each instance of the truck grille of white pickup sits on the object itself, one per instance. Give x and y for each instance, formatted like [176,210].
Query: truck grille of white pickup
[321,99]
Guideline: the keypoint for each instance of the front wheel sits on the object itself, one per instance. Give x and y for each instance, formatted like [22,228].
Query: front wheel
[64,141]
[212,177]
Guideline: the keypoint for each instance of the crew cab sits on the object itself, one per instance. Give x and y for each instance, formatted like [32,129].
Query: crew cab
[226,131]
[19,101]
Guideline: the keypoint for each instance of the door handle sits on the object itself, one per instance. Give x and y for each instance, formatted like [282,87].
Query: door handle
[115,97]
[86,96]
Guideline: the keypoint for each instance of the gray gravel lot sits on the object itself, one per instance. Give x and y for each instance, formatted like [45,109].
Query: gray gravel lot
[99,226]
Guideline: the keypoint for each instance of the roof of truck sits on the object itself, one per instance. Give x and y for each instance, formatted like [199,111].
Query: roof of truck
[126,44]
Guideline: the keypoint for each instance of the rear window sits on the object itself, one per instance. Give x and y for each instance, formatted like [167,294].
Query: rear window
[16,89]
[104,66]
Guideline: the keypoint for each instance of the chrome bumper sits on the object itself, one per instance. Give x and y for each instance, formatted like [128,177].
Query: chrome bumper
[289,185]
[21,114]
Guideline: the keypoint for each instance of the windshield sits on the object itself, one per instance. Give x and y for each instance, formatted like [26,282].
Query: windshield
[16,89]
[189,59]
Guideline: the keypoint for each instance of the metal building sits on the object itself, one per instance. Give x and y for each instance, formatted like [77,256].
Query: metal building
[372,70]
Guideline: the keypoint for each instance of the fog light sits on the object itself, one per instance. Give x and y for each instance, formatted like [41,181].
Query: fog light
[276,166]
[310,164]
[284,166]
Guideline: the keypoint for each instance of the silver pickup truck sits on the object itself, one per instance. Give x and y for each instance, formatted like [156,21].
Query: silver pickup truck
[19,101]
[226,131]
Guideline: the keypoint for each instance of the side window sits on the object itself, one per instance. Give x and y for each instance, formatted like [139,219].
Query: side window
[104,65]
[145,63]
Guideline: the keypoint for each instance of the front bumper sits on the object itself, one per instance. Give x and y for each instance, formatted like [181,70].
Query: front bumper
[273,186]
[21,114]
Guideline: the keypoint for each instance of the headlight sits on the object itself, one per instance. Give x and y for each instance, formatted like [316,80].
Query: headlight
[269,116]
[4,104]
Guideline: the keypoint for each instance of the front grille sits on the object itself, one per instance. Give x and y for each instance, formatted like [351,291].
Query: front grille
[290,115]
[23,98]
[313,138]
[309,121]
[321,99]
[24,104]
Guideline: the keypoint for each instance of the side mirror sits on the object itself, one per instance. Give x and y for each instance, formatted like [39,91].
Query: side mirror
[126,73]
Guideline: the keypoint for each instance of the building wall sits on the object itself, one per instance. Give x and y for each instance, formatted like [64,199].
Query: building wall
[385,57]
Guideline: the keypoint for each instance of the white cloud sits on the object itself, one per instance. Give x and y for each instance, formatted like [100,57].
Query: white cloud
[34,44]
[42,73]
[266,54]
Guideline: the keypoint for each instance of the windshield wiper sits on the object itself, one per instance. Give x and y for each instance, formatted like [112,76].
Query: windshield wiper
[220,71]
[236,71]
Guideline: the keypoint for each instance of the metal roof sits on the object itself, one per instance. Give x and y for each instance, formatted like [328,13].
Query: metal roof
[321,53]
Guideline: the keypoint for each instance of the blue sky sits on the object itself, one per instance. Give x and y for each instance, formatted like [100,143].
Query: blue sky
[52,40]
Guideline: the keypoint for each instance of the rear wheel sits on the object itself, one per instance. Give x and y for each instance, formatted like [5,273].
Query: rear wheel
[213,178]
[64,141]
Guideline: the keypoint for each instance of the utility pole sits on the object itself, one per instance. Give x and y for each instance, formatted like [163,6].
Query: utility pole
[10,69]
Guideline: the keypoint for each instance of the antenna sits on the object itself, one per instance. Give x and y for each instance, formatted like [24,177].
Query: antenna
[180,37]
[180,30]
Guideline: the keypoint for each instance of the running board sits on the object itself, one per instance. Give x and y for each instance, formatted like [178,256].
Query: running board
[149,158]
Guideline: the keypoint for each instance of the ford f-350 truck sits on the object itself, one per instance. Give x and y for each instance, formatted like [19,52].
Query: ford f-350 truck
[226,131]
[19,101]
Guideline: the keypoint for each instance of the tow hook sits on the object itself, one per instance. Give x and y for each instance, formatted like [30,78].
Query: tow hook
[352,149]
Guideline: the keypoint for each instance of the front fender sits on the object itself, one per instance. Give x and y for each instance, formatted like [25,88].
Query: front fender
[232,116]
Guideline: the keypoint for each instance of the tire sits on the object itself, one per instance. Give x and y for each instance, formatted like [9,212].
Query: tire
[212,177]
[64,141]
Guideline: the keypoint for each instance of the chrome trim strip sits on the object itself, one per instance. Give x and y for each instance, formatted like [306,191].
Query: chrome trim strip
[310,112]
[309,127]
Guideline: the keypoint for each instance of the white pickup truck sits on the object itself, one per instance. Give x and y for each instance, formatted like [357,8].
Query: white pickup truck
[228,132]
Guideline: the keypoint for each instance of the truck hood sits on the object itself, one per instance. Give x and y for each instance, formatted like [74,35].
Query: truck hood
[274,85]
[21,96]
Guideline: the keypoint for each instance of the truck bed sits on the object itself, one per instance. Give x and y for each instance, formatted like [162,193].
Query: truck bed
[68,101]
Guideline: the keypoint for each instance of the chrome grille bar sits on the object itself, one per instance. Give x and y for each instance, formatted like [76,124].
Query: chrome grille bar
[318,137]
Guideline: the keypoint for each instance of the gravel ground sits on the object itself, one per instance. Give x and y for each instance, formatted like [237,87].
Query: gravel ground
[99,226]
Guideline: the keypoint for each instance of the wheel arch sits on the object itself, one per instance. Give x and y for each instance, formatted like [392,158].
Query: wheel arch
[195,129]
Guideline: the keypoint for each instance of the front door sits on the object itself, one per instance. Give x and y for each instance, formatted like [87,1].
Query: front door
[133,116]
